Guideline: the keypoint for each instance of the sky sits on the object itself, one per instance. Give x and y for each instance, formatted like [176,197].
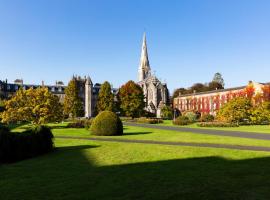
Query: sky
[188,40]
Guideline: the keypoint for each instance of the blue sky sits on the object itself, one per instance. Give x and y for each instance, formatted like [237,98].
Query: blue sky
[188,40]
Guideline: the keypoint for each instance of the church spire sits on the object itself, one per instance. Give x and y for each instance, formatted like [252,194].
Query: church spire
[144,67]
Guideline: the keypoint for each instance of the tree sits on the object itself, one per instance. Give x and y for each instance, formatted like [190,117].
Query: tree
[73,103]
[38,106]
[236,110]
[218,78]
[261,113]
[179,91]
[214,86]
[198,87]
[131,99]
[105,98]
[167,112]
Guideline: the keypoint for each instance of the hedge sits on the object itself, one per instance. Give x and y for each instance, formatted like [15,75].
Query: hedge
[217,124]
[30,143]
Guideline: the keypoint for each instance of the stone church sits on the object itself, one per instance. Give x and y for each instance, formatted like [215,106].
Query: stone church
[156,93]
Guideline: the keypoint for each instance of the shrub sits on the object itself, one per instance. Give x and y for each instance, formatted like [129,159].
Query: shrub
[192,117]
[87,123]
[80,123]
[217,124]
[107,123]
[207,118]
[181,120]
[17,146]
[149,120]
[167,112]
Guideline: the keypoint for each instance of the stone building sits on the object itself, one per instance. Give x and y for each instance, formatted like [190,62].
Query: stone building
[156,93]
[211,101]
[88,92]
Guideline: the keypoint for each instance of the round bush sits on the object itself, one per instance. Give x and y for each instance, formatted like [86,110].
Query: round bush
[107,123]
[181,120]
[192,117]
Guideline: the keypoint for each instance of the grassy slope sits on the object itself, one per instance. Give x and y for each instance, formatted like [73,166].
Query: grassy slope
[254,128]
[81,169]
[164,135]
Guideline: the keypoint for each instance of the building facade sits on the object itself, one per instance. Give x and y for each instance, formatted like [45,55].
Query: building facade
[88,92]
[211,101]
[155,92]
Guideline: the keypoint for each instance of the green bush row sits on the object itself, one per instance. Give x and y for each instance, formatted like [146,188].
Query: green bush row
[149,120]
[30,143]
[217,124]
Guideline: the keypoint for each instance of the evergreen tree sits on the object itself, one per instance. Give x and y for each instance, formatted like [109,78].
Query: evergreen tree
[131,99]
[218,78]
[105,98]
[73,103]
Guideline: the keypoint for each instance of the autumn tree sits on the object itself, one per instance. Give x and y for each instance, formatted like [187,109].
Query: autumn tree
[261,113]
[131,99]
[105,98]
[236,110]
[38,106]
[73,105]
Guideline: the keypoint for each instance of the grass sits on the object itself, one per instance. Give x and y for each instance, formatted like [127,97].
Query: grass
[81,169]
[253,128]
[131,132]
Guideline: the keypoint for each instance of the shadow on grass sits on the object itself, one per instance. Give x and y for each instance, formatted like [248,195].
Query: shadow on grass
[70,174]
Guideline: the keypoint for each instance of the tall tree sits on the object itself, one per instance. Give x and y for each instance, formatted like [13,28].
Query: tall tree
[33,105]
[105,98]
[73,105]
[218,78]
[131,99]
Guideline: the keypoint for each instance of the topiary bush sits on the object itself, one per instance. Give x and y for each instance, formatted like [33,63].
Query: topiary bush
[181,120]
[107,123]
[17,146]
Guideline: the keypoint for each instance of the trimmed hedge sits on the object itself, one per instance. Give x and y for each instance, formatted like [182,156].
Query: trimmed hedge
[107,123]
[149,120]
[181,120]
[30,143]
[217,124]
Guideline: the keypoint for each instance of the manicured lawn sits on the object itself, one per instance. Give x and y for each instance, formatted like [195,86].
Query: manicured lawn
[254,128]
[83,169]
[80,169]
[131,132]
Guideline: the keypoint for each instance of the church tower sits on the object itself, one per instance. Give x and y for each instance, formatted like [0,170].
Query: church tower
[88,98]
[144,67]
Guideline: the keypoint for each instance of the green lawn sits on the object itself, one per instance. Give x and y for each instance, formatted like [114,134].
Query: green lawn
[83,169]
[253,128]
[131,132]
